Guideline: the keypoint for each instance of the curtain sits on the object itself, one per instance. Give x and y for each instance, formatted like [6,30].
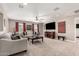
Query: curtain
[33,28]
[24,27]
[16,26]
[38,27]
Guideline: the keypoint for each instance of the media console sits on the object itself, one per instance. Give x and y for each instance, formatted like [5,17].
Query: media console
[50,34]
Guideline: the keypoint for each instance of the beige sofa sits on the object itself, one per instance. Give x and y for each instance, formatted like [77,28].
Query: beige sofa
[8,46]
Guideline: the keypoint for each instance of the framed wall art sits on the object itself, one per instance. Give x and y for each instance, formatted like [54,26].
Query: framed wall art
[62,27]
[28,27]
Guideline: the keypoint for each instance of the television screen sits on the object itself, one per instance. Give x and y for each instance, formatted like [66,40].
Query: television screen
[77,25]
[50,25]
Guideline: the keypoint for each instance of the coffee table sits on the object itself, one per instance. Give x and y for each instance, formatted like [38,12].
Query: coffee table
[35,38]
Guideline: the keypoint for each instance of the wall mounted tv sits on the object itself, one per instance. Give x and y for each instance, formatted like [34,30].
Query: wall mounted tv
[77,25]
[50,26]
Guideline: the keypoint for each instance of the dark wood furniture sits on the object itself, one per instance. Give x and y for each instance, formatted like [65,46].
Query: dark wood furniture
[77,37]
[35,38]
[50,35]
[63,37]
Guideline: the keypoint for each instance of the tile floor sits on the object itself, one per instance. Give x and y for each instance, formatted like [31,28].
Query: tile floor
[52,47]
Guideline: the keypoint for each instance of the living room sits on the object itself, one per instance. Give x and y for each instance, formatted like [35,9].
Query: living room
[32,29]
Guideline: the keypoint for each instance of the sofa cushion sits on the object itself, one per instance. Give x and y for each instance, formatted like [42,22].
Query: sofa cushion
[15,37]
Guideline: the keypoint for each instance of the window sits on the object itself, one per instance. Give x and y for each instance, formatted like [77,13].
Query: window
[20,27]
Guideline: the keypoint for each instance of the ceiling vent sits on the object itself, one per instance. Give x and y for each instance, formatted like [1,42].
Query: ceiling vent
[76,11]
[21,6]
[56,9]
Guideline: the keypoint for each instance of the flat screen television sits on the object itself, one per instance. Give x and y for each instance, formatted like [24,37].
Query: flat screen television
[50,26]
[77,25]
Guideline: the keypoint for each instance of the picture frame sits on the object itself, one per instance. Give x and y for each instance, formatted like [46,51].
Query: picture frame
[62,27]
[29,27]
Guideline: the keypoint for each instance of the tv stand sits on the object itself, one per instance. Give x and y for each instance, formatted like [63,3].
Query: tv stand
[50,34]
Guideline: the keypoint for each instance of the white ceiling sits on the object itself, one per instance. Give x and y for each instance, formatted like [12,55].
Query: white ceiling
[44,11]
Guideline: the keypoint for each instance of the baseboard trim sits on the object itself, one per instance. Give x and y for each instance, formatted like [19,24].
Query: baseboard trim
[17,53]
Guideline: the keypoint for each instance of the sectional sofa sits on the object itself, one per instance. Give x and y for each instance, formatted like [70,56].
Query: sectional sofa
[9,46]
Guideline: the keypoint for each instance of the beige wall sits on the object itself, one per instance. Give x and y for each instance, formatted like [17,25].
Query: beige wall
[11,26]
[41,28]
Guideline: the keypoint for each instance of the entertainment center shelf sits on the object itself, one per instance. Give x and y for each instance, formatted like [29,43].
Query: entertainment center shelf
[50,35]
[50,30]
